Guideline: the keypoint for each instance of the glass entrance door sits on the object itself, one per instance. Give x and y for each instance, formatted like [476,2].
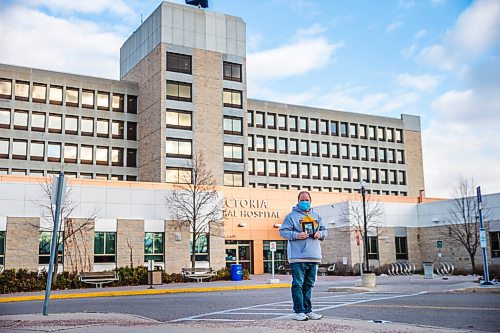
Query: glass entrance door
[239,252]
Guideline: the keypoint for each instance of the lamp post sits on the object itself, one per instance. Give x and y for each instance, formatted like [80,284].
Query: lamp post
[362,184]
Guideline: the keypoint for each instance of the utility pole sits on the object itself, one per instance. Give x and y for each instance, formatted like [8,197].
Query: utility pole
[365,238]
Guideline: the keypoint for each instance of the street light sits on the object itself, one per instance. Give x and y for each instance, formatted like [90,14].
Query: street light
[362,184]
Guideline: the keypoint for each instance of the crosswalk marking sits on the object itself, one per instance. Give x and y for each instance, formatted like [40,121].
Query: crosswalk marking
[279,310]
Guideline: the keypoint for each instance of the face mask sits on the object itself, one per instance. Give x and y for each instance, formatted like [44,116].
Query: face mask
[304,205]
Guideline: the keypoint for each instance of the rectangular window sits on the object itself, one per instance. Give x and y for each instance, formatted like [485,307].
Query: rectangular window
[250,144]
[373,154]
[19,149]
[364,174]
[131,130]
[232,72]
[39,93]
[355,174]
[344,129]
[383,176]
[4,118]
[86,154]
[179,119]
[354,152]
[154,246]
[304,147]
[70,153]
[37,150]
[372,134]
[259,143]
[334,128]
[117,156]
[315,171]
[22,91]
[180,63]
[271,120]
[131,158]
[178,175]
[55,95]
[102,128]
[353,130]
[324,149]
[87,126]
[303,125]
[325,172]
[117,129]
[103,101]
[271,144]
[233,125]
[260,167]
[344,151]
[402,177]
[104,247]
[178,148]
[390,134]
[54,152]
[382,154]
[5,88]
[4,148]
[55,123]
[282,146]
[304,170]
[234,179]
[232,98]
[346,174]
[401,248]
[292,123]
[71,125]
[381,133]
[179,91]
[399,136]
[294,149]
[393,176]
[323,127]
[374,175]
[272,168]
[495,244]
[72,96]
[20,120]
[372,247]
[335,150]
[400,156]
[250,122]
[233,153]
[259,119]
[251,167]
[117,102]
[44,247]
[336,172]
[282,122]
[391,155]
[132,104]
[314,148]
[101,156]
[88,99]
[283,165]
[362,132]
[313,126]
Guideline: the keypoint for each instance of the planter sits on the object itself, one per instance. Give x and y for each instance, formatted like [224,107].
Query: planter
[368,280]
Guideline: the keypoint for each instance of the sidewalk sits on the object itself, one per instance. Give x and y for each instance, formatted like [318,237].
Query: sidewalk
[115,322]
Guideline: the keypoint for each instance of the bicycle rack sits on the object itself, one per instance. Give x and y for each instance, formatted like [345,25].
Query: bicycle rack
[401,268]
[445,268]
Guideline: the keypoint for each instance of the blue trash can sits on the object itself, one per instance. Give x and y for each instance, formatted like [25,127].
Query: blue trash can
[236,272]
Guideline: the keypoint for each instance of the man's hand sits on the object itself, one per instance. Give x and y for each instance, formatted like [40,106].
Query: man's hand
[303,235]
[317,235]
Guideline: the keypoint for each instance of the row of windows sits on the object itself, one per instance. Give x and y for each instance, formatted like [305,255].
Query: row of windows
[180,119]
[59,95]
[73,125]
[182,63]
[182,91]
[184,176]
[67,152]
[324,149]
[323,189]
[322,126]
[81,175]
[288,169]
[105,247]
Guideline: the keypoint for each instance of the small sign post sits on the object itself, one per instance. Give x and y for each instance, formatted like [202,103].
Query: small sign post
[439,245]
[272,248]
[482,238]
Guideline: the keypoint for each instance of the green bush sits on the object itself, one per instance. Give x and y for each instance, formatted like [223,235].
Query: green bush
[131,276]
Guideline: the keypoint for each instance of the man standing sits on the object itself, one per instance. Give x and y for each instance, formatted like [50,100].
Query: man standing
[304,229]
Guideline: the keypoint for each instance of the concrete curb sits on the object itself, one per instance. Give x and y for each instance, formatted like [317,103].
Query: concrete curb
[141,292]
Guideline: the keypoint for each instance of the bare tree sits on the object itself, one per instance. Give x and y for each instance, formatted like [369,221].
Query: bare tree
[196,203]
[70,230]
[463,218]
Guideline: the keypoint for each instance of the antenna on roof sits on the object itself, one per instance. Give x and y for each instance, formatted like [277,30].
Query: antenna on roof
[199,3]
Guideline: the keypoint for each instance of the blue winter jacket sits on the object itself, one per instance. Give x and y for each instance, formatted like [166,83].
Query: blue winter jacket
[308,248]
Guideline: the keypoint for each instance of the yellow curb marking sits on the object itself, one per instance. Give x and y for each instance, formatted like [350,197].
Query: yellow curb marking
[426,307]
[140,292]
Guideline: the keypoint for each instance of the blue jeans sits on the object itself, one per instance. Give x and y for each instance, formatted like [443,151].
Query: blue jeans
[304,276]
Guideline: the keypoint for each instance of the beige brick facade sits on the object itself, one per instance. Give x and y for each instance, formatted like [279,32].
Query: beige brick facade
[79,248]
[414,253]
[22,241]
[207,117]
[337,245]
[176,251]
[414,161]
[217,246]
[130,243]
[151,114]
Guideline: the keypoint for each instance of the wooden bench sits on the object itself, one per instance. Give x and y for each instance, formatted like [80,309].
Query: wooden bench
[98,278]
[198,273]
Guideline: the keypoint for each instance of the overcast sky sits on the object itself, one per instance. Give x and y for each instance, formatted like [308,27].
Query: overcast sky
[438,59]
